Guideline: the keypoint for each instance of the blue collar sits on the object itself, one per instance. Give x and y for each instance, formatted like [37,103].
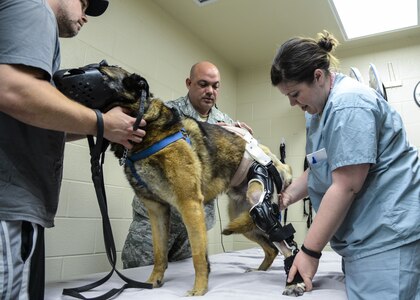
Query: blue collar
[182,134]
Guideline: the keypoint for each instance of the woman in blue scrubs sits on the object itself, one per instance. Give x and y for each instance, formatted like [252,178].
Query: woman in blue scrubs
[363,177]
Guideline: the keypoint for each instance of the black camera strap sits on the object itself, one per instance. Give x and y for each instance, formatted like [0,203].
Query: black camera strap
[97,153]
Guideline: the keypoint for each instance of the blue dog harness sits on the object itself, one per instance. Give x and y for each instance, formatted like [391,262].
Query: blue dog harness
[182,134]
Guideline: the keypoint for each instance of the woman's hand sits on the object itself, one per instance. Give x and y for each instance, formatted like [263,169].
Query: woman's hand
[306,266]
[284,200]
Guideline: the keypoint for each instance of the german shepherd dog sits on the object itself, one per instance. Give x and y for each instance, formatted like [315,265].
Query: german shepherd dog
[186,174]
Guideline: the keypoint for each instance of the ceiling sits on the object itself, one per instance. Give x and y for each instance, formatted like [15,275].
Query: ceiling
[246,33]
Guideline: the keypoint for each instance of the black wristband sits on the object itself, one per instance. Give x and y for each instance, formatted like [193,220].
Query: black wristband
[311,253]
[100,123]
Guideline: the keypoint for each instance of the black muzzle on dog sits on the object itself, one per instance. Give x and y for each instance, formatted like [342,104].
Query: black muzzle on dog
[85,85]
[88,86]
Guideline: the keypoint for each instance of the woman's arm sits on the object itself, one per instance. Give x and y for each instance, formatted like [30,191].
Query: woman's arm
[346,183]
[296,191]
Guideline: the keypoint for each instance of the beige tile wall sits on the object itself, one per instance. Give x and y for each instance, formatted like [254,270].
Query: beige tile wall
[138,36]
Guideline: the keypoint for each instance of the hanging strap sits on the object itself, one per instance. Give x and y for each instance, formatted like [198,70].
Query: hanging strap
[97,153]
[283,160]
[308,213]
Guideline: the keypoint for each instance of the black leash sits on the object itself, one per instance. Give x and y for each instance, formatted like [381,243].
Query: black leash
[283,160]
[308,213]
[97,153]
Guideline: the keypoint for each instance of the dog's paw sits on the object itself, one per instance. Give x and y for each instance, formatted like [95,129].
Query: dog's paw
[156,282]
[196,292]
[294,290]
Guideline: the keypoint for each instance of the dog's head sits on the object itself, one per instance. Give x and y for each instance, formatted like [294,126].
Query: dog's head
[101,86]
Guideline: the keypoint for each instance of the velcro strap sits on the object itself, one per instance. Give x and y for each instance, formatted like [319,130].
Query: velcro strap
[276,176]
[242,170]
[251,145]
[288,262]
[284,233]
[255,151]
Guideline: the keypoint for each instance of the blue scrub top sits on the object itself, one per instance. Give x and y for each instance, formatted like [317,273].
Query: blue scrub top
[358,126]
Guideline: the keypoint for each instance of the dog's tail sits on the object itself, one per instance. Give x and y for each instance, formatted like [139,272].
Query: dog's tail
[242,224]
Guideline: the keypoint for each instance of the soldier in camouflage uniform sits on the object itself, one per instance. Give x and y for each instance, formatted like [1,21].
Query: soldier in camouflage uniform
[203,85]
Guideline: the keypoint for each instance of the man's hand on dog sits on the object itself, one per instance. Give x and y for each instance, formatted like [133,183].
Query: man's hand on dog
[119,128]
[237,124]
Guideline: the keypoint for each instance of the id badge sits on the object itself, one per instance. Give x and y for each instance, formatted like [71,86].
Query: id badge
[317,157]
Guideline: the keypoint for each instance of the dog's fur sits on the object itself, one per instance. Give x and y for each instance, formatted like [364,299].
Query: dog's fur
[187,176]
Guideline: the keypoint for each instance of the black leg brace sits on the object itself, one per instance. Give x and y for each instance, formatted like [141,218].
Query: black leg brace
[266,216]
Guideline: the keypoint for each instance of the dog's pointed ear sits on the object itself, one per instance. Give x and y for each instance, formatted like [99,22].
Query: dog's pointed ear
[103,63]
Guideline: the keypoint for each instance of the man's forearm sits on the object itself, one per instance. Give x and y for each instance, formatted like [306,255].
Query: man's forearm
[36,102]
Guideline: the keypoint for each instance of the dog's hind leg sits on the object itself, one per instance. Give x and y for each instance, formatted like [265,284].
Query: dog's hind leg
[192,212]
[244,224]
[270,251]
[159,215]
[265,216]
[241,224]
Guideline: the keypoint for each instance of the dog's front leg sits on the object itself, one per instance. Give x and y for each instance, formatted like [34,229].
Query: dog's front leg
[159,215]
[193,216]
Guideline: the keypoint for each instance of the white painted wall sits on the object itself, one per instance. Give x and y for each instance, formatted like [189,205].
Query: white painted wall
[137,35]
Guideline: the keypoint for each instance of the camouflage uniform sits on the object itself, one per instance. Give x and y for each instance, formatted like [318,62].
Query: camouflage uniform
[138,247]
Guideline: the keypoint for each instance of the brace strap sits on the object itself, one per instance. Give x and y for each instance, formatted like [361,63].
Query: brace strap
[285,233]
[242,170]
[288,262]
[253,153]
